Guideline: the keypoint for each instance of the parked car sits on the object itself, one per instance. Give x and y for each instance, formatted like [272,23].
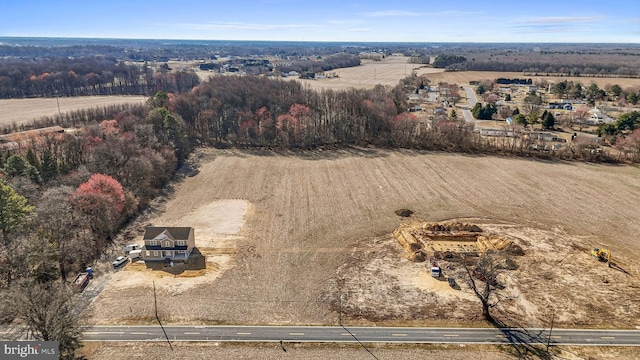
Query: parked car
[120,260]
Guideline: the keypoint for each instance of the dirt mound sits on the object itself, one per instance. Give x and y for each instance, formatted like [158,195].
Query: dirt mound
[446,239]
[452,226]
[404,212]
[411,244]
[498,243]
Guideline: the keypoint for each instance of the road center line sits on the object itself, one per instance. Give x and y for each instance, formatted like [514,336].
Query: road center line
[607,337]
[192,333]
[451,335]
[138,333]
[244,333]
[398,334]
[298,334]
[347,334]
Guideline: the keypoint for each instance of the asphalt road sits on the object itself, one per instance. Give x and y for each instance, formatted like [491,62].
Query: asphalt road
[365,334]
[471,101]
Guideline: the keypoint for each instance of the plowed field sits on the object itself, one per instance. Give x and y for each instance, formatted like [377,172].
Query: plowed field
[317,216]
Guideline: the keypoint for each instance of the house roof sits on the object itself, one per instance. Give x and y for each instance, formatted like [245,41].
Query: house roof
[176,233]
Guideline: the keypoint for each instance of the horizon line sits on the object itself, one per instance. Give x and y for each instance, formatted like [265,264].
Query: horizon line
[321,41]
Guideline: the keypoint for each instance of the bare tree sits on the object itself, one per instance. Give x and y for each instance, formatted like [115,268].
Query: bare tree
[580,116]
[482,278]
[45,313]
[64,228]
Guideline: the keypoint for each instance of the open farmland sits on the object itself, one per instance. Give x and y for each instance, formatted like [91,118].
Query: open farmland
[313,218]
[393,68]
[463,77]
[24,111]
[371,73]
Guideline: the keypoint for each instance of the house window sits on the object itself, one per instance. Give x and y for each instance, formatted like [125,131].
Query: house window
[148,253]
[153,242]
[181,252]
[156,253]
[181,242]
[167,244]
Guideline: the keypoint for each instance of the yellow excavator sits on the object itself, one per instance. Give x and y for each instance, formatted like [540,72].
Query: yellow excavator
[603,255]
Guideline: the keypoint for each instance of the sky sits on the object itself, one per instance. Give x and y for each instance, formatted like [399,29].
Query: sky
[557,21]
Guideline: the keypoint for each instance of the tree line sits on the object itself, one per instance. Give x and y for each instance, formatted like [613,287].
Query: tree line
[319,65]
[97,75]
[65,195]
[544,68]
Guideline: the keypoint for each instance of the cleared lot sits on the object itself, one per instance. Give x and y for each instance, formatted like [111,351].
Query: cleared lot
[314,217]
[23,111]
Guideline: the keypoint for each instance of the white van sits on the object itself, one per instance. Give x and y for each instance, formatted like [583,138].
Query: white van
[135,254]
[131,247]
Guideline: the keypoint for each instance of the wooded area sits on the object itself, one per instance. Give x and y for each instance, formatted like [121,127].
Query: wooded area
[50,77]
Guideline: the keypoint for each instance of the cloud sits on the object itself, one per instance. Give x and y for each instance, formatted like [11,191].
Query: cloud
[245,26]
[562,19]
[388,13]
[553,24]
[359,30]
[402,13]
[344,22]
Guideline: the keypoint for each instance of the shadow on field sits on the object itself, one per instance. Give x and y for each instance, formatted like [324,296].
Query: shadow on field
[322,153]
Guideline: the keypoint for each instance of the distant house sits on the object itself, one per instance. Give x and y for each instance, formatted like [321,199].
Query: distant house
[173,243]
[544,136]
[495,132]
[563,106]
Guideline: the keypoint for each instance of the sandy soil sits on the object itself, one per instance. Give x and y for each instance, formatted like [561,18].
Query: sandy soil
[216,224]
[23,111]
[272,351]
[317,217]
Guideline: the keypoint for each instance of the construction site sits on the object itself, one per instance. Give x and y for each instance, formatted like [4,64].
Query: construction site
[542,273]
[436,241]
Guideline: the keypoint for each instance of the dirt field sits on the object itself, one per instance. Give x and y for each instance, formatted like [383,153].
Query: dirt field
[23,111]
[97,351]
[371,73]
[316,217]
[270,351]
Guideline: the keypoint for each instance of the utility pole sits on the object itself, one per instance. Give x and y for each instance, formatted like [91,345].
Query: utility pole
[58,102]
[155,305]
[340,305]
[550,330]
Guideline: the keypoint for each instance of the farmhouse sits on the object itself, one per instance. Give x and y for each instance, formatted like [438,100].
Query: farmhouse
[173,243]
